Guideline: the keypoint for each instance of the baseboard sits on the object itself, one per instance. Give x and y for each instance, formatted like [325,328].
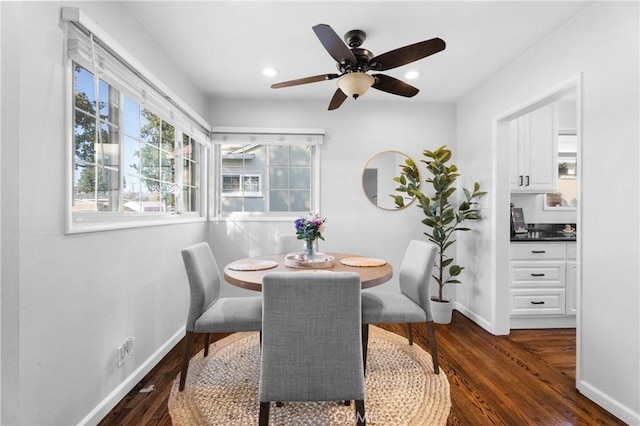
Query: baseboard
[619,410]
[107,404]
[474,317]
[542,322]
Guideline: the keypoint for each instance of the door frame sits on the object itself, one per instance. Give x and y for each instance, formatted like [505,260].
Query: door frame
[500,187]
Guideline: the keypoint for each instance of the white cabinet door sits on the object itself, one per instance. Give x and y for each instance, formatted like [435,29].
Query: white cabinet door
[516,155]
[542,165]
[571,283]
[534,152]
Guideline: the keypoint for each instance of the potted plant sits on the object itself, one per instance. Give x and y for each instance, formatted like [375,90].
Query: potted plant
[443,216]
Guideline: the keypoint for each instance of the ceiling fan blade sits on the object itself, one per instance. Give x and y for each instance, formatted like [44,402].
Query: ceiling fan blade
[407,54]
[305,80]
[393,85]
[334,44]
[337,100]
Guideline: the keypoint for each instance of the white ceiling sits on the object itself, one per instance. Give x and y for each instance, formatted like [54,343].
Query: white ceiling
[223,45]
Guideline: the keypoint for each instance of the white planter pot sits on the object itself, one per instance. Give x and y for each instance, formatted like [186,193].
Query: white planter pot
[441,311]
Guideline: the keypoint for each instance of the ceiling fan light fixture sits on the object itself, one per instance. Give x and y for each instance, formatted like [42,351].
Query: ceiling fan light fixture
[269,72]
[355,84]
[412,75]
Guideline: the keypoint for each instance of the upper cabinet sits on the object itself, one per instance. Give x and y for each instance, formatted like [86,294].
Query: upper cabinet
[534,152]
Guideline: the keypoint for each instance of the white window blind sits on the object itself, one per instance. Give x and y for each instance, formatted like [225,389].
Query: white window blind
[138,151]
[86,46]
[267,136]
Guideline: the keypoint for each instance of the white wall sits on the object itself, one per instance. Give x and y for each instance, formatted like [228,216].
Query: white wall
[354,133]
[603,44]
[69,300]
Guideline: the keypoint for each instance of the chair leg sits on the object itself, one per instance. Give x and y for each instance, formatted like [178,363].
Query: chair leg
[360,415]
[263,419]
[186,357]
[410,334]
[365,345]
[207,342]
[434,346]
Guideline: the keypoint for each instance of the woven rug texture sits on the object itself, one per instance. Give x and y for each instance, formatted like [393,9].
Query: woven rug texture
[401,388]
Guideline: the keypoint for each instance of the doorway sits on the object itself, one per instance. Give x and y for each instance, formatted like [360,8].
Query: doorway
[571,89]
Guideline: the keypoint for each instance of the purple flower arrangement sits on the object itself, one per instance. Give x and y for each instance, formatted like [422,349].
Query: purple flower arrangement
[310,228]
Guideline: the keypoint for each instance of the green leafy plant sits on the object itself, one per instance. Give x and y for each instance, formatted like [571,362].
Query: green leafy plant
[442,216]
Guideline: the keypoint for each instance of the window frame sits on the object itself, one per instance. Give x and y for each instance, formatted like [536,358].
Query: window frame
[94,221]
[313,137]
[241,179]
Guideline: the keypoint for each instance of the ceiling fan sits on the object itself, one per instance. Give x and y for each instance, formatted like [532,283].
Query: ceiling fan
[354,63]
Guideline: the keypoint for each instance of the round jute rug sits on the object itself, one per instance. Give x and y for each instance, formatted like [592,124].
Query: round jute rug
[401,388]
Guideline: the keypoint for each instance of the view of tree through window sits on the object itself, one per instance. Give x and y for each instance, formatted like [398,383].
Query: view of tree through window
[96,155]
[159,167]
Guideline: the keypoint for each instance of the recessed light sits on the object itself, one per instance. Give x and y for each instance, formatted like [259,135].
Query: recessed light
[269,72]
[412,75]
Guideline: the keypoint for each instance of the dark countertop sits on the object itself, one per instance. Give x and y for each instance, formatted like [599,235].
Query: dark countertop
[545,232]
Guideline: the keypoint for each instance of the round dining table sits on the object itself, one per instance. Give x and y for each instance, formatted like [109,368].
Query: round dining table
[370,276]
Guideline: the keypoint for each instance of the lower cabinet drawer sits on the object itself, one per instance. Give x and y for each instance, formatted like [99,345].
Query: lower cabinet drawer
[537,251]
[537,301]
[534,274]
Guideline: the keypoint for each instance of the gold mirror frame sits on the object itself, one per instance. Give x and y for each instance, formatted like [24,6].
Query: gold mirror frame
[377,179]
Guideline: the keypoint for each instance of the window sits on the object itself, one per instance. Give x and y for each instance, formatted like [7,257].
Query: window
[157,171]
[268,174]
[96,159]
[137,150]
[251,185]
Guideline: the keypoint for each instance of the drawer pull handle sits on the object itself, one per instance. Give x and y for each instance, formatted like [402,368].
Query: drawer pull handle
[527,180]
[537,303]
[520,180]
[538,251]
[537,275]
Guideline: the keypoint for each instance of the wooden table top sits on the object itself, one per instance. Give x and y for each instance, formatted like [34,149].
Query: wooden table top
[370,276]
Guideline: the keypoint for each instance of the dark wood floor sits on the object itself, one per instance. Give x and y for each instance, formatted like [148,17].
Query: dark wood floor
[526,378]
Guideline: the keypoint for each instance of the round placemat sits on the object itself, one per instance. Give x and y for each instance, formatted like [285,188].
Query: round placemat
[362,261]
[252,265]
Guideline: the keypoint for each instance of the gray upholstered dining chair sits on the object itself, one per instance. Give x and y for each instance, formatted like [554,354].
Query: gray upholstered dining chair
[209,313]
[311,340]
[411,304]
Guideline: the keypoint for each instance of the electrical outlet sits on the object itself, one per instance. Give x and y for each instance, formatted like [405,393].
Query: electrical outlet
[125,350]
[130,344]
[121,354]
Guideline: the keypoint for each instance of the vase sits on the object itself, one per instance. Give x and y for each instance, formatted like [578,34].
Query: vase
[309,250]
[441,311]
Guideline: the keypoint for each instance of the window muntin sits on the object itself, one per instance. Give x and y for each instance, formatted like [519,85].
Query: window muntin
[242,184]
[147,166]
[267,179]
[96,160]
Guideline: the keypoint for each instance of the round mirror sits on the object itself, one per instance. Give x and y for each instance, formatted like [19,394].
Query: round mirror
[378,178]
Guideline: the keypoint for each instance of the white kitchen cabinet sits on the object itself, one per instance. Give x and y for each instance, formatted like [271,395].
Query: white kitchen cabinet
[570,285]
[534,152]
[542,285]
[571,281]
